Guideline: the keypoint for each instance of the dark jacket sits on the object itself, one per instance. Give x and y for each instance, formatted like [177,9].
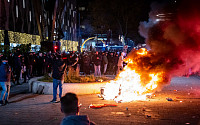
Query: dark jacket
[58,69]
[17,63]
[77,120]
[105,59]
[97,59]
[4,72]
[86,60]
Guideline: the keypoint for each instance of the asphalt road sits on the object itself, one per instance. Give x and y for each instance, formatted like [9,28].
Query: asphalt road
[33,109]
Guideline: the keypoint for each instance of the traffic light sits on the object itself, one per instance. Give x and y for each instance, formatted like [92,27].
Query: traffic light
[55,48]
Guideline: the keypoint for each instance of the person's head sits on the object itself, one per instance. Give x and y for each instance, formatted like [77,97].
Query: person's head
[69,104]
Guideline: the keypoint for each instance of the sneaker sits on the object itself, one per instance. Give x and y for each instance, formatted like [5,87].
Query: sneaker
[1,103]
[54,101]
[6,102]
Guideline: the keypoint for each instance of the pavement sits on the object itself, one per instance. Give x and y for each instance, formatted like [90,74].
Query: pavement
[33,109]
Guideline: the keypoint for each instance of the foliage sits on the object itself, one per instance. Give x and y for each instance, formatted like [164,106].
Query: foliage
[24,48]
[1,36]
[74,77]
[46,78]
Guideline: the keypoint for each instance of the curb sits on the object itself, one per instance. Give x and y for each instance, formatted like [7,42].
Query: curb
[46,88]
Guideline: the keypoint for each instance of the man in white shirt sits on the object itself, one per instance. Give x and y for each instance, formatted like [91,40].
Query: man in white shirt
[120,62]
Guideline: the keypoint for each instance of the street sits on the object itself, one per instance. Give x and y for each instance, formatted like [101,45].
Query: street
[33,109]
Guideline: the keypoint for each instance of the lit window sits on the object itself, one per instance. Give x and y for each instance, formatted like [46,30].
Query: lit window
[81,8]
[30,15]
[40,18]
[82,26]
[16,11]
[48,21]
[24,4]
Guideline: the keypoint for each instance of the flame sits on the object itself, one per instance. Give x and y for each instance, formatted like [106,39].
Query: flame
[142,51]
[135,82]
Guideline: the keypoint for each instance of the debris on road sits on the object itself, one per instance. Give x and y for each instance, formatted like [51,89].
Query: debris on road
[128,115]
[169,99]
[148,116]
[95,106]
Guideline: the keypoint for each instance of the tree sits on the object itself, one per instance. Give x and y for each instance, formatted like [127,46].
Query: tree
[122,17]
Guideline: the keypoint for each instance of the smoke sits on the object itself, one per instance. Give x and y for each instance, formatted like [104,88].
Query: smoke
[173,34]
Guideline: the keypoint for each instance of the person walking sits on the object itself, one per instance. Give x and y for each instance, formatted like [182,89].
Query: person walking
[120,62]
[17,66]
[86,64]
[105,62]
[97,64]
[5,76]
[59,68]
[115,67]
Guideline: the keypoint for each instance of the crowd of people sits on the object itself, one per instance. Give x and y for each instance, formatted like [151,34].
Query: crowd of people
[16,66]
[27,65]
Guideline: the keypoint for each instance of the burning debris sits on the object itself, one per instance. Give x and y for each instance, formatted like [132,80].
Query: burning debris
[139,79]
[174,51]
[97,106]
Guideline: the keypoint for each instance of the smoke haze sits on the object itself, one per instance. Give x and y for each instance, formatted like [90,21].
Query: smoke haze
[174,39]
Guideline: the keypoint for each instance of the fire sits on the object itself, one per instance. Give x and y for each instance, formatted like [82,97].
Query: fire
[136,81]
[142,51]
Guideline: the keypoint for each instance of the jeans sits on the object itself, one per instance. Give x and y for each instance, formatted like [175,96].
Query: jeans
[3,93]
[119,69]
[97,70]
[105,68]
[57,82]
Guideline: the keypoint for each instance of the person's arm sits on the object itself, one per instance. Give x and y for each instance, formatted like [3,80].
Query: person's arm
[75,62]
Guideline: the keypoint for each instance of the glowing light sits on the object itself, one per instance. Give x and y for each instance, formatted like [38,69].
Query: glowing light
[132,83]
[142,51]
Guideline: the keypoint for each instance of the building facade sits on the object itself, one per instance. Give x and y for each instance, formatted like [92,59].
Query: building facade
[41,21]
